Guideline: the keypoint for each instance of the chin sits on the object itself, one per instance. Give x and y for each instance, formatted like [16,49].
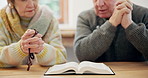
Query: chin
[104,15]
[29,16]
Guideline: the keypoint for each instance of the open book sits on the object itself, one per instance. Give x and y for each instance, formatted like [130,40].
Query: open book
[84,67]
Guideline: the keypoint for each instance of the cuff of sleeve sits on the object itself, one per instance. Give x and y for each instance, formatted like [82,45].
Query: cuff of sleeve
[107,26]
[130,27]
[15,51]
[19,51]
[42,53]
[134,28]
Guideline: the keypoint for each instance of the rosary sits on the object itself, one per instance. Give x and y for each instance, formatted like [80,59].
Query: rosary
[31,55]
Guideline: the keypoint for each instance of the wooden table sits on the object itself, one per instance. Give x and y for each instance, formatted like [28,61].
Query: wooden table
[121,69]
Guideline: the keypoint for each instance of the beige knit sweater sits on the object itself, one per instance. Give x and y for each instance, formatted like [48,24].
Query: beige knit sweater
[11,31]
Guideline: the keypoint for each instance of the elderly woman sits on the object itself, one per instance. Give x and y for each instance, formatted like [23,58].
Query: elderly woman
[17,23]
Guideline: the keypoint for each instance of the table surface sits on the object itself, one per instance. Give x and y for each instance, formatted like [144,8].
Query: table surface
[121,69]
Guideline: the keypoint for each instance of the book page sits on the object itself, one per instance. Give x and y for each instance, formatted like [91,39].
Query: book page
[91,67]
[59,69]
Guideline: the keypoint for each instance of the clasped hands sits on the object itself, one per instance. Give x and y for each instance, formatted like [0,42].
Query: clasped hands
[34,43]
[122,14]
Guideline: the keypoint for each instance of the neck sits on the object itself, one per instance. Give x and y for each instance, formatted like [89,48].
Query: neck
[25,21]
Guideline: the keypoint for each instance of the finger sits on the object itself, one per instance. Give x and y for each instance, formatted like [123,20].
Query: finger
[25,50]
[32,40]
[124,10]
[130,2]
[24,42]
[128,5]
[119,2]
[121,6]
[28,34]
[37,50]
[124,3]
[39,35]
[31,46]
[40,42]
[22,47]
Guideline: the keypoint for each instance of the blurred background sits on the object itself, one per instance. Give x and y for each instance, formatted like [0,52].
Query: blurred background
[66,11]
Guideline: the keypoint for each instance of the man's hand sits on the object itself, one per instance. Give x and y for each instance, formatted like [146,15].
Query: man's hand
[122,14]
[116,18]
[127,18]
[34,43]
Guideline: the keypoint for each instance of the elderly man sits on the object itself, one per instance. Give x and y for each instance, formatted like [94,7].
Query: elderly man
[114,30]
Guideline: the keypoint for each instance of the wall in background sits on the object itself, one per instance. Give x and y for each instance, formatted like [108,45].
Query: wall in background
[77,6]
[141,2]
[2,3]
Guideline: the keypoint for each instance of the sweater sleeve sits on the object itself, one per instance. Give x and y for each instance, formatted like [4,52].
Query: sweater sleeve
[7,54]
[10,54]
[54,51]
[137,34]
[89,45]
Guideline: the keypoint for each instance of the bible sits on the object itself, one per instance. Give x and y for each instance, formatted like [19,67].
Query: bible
[85,67]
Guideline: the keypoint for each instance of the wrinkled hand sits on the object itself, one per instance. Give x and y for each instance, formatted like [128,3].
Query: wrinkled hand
[34,43]
[127,17]
[127,20]
[122,8]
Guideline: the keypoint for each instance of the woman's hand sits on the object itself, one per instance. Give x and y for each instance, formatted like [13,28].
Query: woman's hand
[34,43]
